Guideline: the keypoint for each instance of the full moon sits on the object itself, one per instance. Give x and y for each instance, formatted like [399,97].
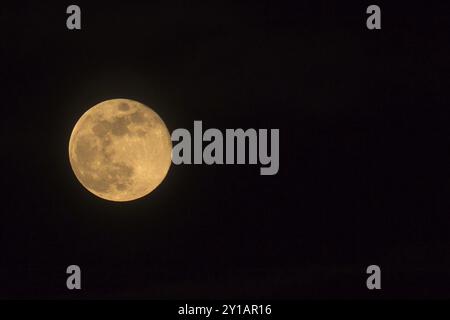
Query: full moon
[120,150]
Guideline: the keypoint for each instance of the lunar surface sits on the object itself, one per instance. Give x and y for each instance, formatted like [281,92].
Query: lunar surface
[120,150]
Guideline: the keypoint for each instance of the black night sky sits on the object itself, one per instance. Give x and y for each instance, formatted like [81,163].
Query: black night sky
[364,119]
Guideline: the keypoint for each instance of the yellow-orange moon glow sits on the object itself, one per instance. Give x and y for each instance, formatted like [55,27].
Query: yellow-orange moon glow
[120,150]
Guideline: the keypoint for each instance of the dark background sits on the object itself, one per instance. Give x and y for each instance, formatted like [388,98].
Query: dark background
[364,150]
